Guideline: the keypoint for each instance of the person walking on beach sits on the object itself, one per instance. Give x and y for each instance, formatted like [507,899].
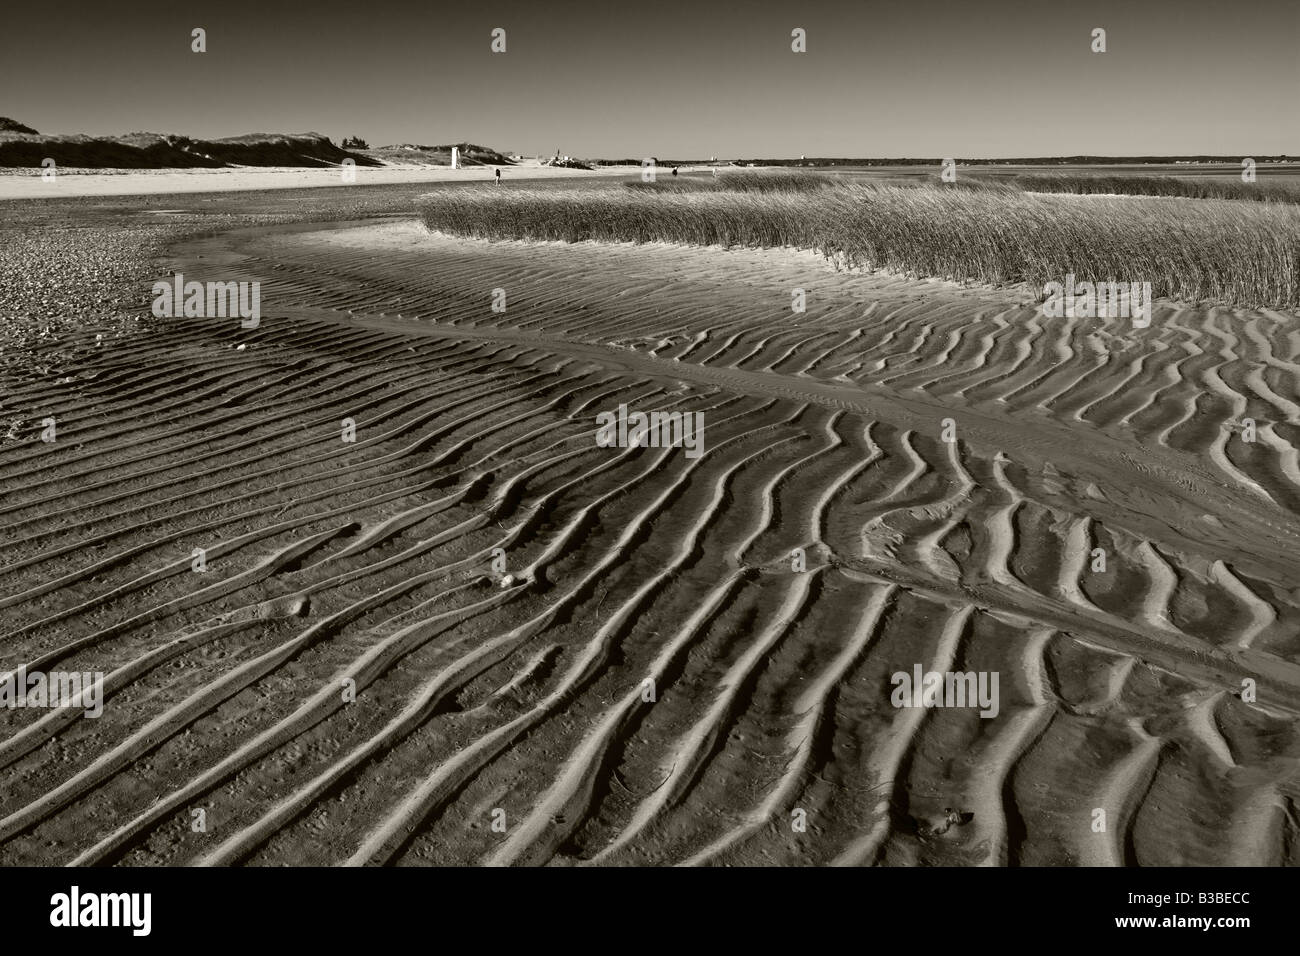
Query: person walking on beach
[498,177]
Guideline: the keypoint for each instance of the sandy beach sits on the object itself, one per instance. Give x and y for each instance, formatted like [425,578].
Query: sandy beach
[28,184]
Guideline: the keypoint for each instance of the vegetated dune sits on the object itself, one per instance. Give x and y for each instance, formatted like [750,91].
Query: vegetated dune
[8,125]
[158,151]
[470,154]
[355,679]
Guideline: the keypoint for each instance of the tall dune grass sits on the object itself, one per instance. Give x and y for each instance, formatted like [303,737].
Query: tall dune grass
[1159,186]
[1089,184]
[1197,250]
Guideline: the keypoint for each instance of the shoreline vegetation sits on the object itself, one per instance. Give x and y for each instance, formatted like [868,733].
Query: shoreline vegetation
[1213,249]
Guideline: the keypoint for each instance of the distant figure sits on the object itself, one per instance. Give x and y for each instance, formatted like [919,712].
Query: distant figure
[674,170]
[498,177]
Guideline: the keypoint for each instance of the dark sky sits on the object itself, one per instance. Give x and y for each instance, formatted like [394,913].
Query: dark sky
[675,79]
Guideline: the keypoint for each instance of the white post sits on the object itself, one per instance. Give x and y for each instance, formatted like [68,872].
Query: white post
[455,157]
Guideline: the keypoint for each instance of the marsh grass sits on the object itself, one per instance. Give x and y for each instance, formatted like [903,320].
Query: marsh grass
[1158,186]
[1190,249]
[740,181]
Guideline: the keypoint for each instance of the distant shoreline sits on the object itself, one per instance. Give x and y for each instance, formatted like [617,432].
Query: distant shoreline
[72,182]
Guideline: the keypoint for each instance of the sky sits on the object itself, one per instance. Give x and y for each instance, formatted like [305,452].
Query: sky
[929,78]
